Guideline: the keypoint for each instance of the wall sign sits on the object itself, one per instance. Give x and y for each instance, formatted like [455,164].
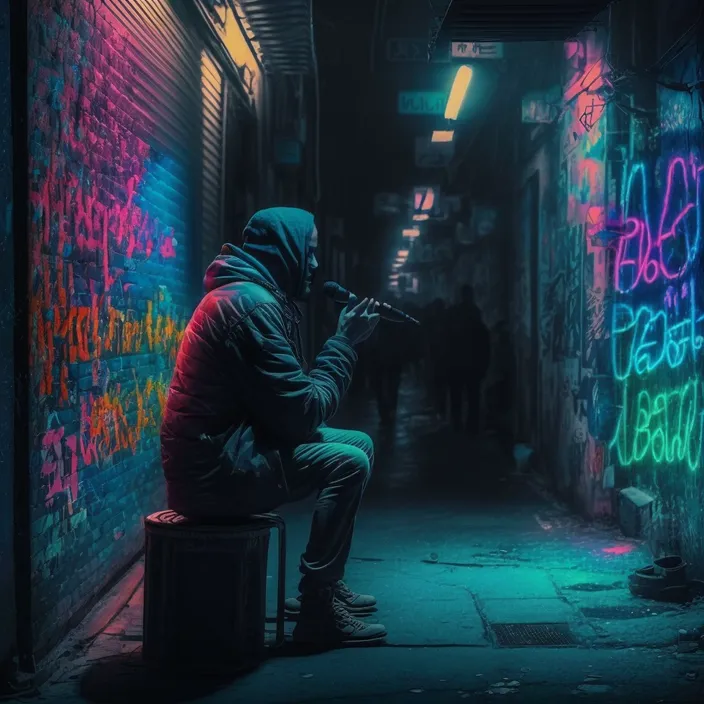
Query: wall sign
[477,50]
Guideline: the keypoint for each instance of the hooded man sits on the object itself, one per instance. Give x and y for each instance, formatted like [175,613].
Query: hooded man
[244,426]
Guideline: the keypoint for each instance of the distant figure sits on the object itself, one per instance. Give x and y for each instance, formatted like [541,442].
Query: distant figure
[386,362]
[469,350]
[501,394]
[434,328]
[414,343]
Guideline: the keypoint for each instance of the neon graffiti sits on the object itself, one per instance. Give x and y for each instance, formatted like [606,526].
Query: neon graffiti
[643,339]
[118,419]
[106,207]
[642,256]
[60,465]
[668,426]
[664,330]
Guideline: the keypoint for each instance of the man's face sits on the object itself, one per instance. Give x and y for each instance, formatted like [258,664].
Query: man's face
[312,263]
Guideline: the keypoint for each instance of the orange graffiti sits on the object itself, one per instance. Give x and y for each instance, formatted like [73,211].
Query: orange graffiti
[107,423]
[84,333]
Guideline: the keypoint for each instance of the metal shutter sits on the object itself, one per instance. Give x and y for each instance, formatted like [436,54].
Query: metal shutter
[165,87]
[213,157]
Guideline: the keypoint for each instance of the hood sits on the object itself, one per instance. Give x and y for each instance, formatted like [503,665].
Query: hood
[274,253]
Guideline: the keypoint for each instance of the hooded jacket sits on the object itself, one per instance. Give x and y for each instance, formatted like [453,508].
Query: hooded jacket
[240,399]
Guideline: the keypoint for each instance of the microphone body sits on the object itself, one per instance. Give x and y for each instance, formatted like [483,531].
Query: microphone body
[339,294]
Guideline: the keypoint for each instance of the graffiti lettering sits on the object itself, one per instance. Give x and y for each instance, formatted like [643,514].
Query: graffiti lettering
[663,425]
[668,426]
[644,338]
[643,257]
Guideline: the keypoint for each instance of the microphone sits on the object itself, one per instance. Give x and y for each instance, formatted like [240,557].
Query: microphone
[342,295]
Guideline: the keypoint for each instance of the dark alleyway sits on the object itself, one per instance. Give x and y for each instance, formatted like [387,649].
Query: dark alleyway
[451,543]
[525,179]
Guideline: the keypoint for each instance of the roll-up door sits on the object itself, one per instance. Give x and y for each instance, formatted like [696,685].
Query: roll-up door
[213,156]
[164,86]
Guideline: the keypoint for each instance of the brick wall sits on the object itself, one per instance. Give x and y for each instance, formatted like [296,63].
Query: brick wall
[108,302]
[7,319]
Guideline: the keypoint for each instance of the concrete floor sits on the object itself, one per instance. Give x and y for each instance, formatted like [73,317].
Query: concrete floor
[451,542]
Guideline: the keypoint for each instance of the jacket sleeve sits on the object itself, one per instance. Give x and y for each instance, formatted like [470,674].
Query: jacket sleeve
[285,400]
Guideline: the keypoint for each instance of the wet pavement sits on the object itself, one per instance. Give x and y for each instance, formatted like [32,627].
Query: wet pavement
[462,551]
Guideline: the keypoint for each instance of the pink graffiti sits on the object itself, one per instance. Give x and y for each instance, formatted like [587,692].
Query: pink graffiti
[649,257]
[60,466]
[88,212]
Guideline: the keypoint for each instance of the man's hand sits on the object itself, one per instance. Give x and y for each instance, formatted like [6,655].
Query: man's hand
[358,320]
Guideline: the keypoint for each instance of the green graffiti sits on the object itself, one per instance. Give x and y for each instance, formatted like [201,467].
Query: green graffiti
[667,427]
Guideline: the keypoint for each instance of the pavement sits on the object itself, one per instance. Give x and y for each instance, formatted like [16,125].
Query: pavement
[462,551]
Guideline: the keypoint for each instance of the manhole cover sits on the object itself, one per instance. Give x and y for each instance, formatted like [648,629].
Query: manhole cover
[522,635]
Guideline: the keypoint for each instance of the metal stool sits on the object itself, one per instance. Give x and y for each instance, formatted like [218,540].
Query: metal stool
[205,591]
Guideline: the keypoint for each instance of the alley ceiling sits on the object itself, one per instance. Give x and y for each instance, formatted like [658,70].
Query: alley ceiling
[517,20]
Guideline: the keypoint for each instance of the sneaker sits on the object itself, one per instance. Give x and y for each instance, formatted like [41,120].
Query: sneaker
[327,624]
[356,604]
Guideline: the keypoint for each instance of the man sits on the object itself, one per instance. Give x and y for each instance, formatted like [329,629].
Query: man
[469,350]
[244,426]
[437,355]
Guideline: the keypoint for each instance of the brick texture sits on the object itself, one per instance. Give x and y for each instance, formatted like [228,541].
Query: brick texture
[108,301]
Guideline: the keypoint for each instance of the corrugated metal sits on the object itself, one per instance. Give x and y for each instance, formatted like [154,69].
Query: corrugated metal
[166,87]
[283,30]
[212,88]
[517,20]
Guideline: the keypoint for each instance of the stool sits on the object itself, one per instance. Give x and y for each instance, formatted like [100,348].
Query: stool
[205,591]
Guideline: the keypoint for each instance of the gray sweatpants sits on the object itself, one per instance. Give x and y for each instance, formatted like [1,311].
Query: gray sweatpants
[337,464]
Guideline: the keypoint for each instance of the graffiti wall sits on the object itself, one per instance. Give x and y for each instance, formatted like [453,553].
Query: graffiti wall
[571,274]
[656,328]
[108,302]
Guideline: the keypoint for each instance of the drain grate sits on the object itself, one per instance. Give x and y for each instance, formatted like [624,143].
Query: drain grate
[624,613]
[523,635]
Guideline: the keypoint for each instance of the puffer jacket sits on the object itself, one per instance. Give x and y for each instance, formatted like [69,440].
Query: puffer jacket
[240,399]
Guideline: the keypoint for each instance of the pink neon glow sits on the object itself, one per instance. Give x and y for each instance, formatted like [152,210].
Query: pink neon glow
[423,199]
[649,261]
[618,550]
[428,200]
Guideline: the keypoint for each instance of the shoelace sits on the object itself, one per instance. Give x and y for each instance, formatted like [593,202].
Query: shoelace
[344,615]
[344,590]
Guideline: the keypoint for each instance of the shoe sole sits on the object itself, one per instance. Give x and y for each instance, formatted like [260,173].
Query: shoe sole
[309,646]
[358,611]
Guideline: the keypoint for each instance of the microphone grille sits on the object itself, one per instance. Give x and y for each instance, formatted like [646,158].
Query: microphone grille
[331,288]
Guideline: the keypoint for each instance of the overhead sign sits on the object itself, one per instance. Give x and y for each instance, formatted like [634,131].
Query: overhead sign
[433,155]
[415,102]
[414,50]
[477,50]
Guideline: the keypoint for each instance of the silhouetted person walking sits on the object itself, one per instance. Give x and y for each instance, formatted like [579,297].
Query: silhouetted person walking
[386,363]
[469,350]
[435,331]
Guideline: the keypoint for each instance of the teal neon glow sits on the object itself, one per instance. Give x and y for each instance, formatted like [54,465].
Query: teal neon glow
[643,339]
[668,426]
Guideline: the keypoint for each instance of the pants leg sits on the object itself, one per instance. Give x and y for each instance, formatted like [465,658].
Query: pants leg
[336,463]
[439,383]
[394,386]
[456,400]
[474,399]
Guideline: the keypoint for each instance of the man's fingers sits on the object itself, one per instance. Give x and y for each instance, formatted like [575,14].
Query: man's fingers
[361,305]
